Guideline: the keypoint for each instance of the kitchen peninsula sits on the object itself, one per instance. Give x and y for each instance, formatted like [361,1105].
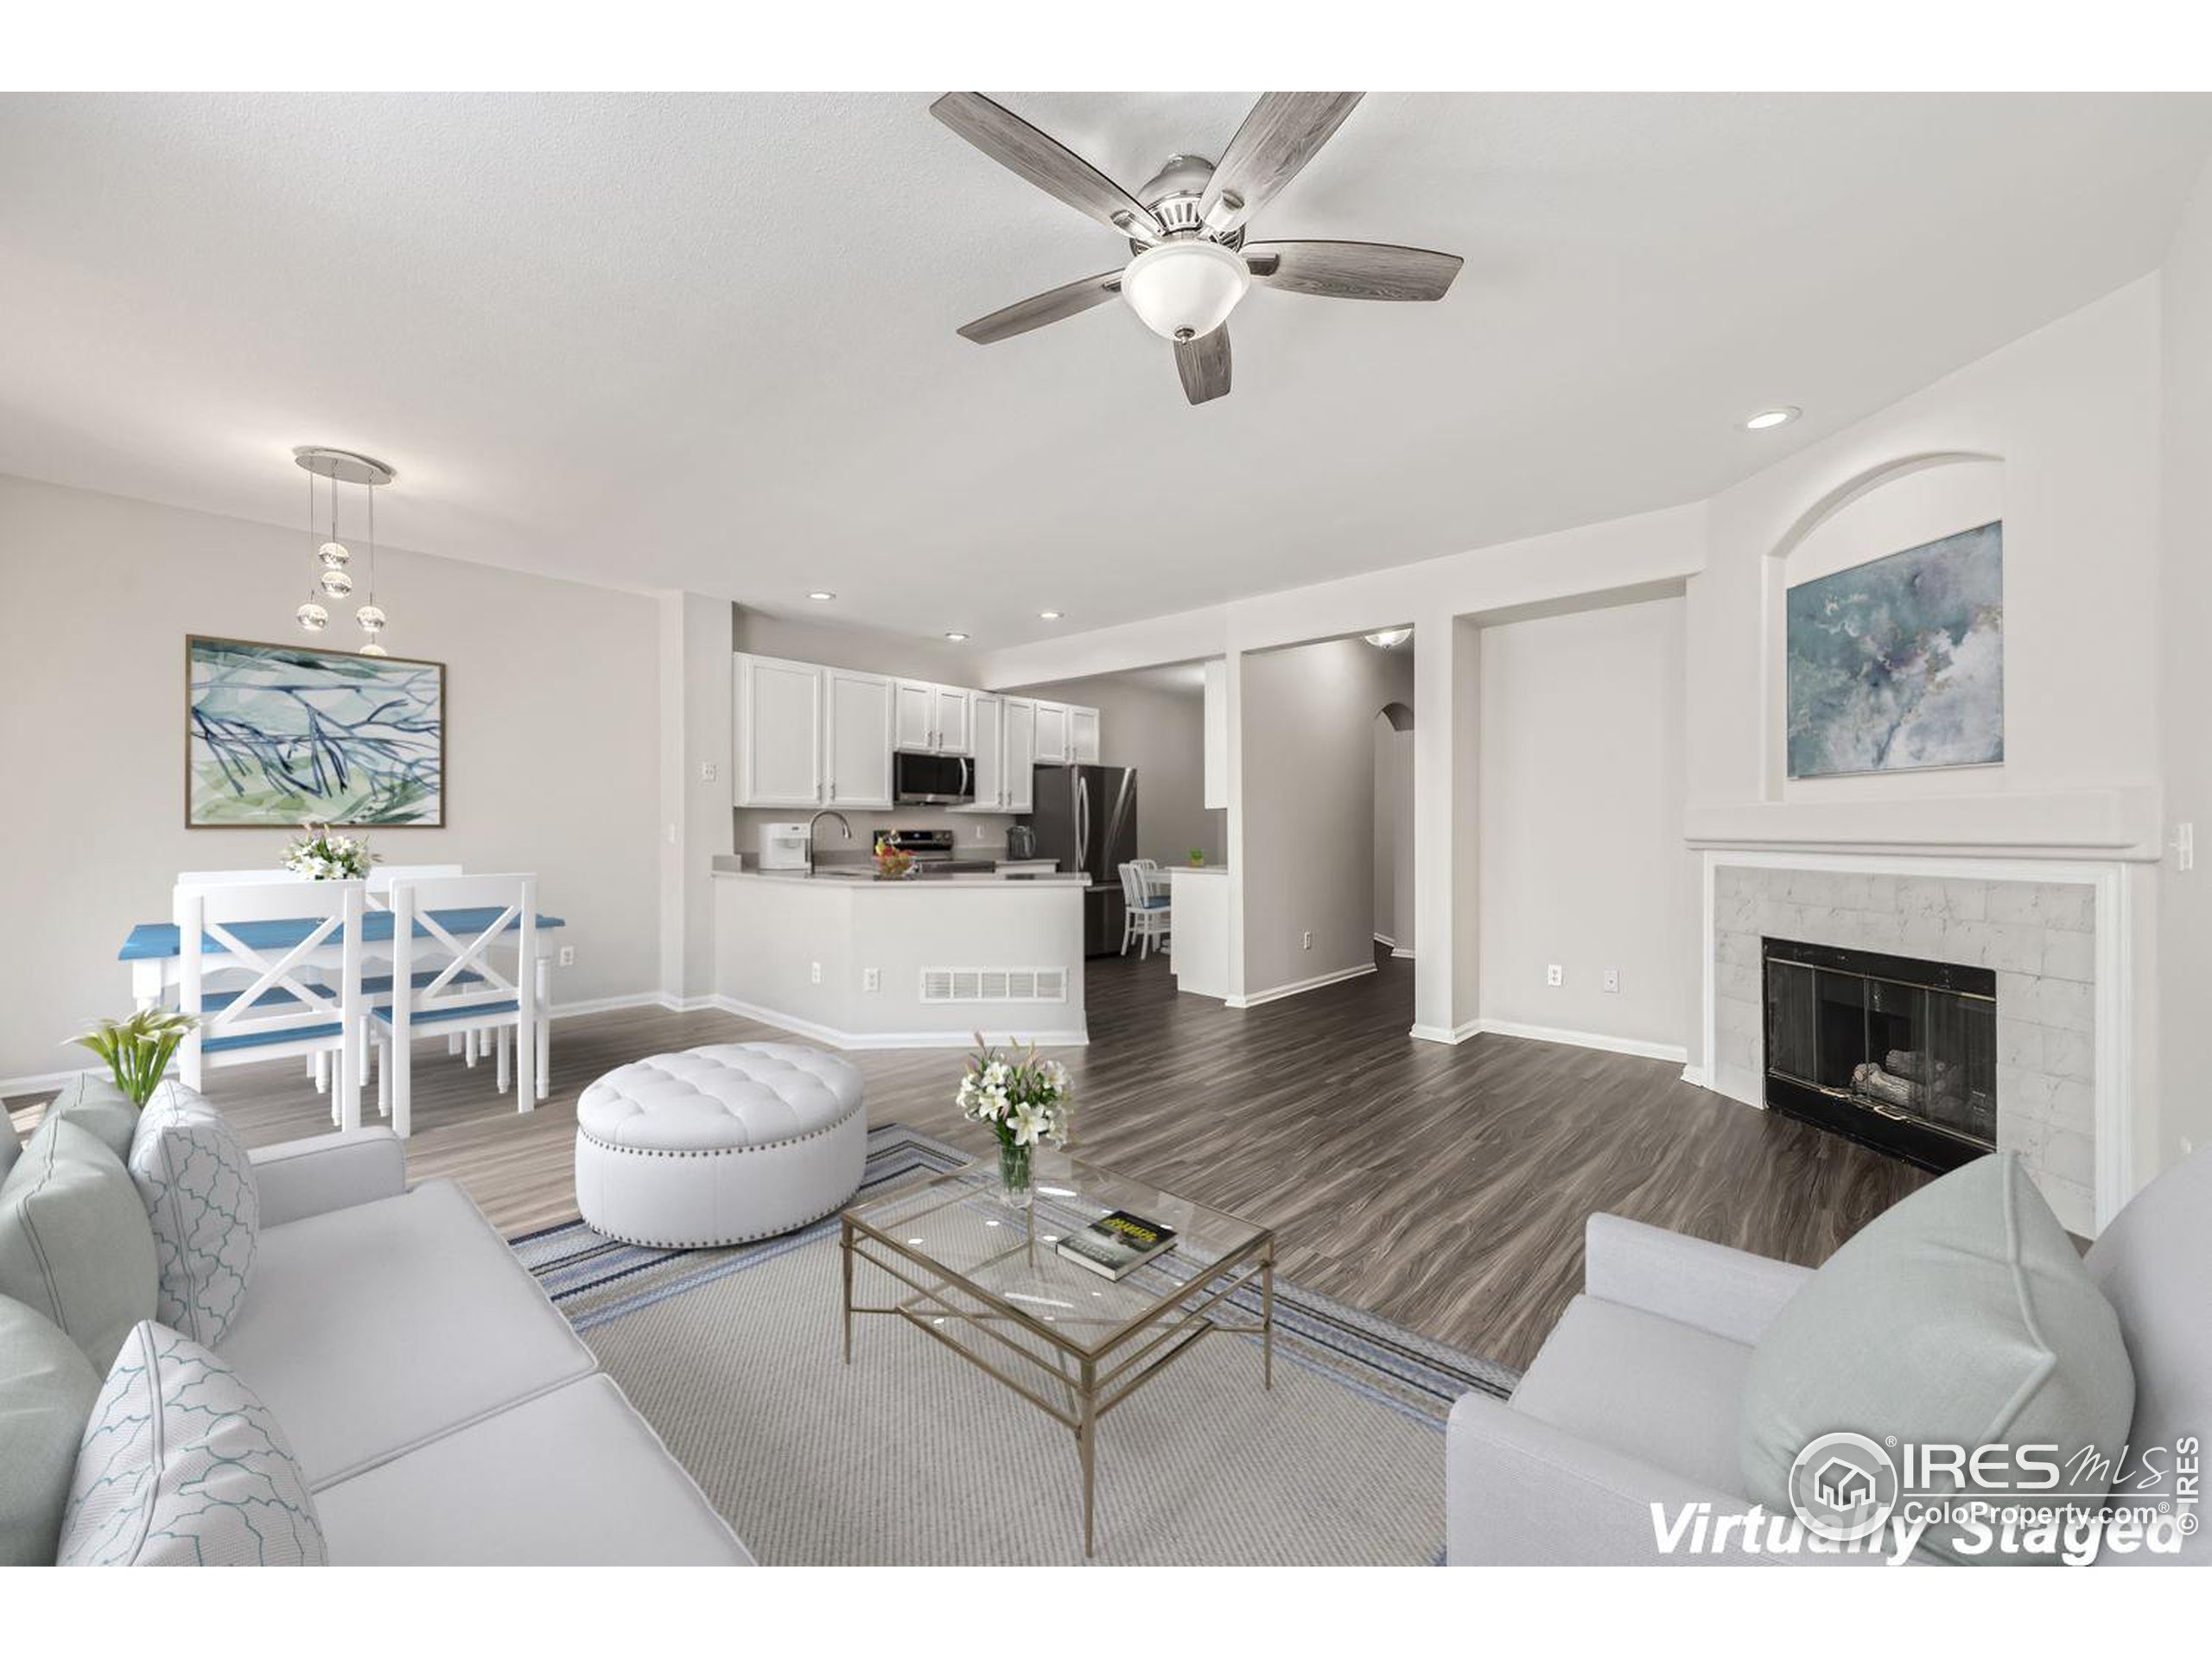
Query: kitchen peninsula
[842,958]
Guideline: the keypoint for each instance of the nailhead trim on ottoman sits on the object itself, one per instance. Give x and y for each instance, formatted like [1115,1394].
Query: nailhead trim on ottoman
[719,1145]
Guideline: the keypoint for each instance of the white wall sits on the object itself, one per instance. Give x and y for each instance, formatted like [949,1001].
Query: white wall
[2185,950]
[1393,834]
[551,761]
[1307,718]
[1160,731]
[1582,860]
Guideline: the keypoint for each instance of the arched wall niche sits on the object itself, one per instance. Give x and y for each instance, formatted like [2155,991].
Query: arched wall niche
[1883,510]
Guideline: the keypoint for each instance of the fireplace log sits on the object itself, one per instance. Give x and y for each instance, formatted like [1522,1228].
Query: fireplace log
[1871,1080]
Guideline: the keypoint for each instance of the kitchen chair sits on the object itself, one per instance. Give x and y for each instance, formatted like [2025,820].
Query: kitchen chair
[471,992]
[1145,914]
[285,1008]
[375,970]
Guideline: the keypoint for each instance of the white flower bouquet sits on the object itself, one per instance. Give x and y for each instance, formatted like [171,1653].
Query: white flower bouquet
[321,856]
[1025,1100]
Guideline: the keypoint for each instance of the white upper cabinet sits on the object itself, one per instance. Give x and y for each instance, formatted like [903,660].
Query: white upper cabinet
[917,720]
[1217,720]
[954,707]
[1082,736]
[1019,754]
[933,718]
[1052,734]
[777,725]
[859,709]
[987,714]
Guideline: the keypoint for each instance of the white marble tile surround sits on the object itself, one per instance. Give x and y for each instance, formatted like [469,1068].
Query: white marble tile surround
[2039,938]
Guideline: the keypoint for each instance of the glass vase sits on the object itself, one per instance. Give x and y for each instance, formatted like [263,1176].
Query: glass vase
[1014,1175]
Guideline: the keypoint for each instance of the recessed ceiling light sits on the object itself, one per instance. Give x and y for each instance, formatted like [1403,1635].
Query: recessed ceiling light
[955,636]
[822,593]
[1052,616]
[1767,417]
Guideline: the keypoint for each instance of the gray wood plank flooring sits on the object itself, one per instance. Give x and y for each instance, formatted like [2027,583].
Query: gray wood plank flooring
[1443,1188]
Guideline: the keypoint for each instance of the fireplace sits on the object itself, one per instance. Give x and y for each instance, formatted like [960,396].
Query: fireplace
[1896,1052]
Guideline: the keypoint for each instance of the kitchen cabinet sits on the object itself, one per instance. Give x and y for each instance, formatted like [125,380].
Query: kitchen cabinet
[1082,736]
[858,717]
[777,725]
[986,715]
[933,719]
[1019,754]
[1217,728]
[1052,734]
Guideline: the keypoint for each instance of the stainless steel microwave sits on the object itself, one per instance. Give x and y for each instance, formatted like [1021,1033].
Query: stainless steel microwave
[932,780]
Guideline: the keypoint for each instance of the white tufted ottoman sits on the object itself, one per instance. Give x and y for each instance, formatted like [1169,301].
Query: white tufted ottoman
[719,1145]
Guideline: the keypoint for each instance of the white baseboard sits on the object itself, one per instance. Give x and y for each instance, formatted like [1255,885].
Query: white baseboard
[1635,1045]
[1049,1037]
[1298,987]
[43,1083]
[1446,1033]
[1401,953]
[1694,1076]
[1384,938]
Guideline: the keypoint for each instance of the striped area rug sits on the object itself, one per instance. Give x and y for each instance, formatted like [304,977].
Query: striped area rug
[912,1455]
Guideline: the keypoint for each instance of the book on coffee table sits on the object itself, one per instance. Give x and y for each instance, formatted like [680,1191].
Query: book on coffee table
[1116,1245]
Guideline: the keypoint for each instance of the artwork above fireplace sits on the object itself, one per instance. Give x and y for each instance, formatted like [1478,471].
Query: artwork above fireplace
[1894,1051]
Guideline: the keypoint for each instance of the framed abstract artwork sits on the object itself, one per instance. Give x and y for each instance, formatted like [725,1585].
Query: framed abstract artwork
[1898,664]
[279,734]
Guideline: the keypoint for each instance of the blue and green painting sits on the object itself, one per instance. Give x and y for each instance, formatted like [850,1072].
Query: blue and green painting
[1898,664]
[279,734]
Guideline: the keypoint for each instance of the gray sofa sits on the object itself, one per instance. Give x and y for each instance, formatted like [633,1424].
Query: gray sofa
[1633,1399]
[443,1410]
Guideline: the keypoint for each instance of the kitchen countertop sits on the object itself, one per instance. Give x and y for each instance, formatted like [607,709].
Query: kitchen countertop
[868,880]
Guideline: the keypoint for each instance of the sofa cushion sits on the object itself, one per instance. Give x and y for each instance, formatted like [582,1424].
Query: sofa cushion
[92,1102]
[572,1478]
[47,1391]
[1962,1316]
[75,1245]
[2149,1265]
[1652,1388]
[374,1328]
[204,1205]
[181,1465]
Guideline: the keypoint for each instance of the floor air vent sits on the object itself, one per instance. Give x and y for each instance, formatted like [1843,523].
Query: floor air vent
[995,985]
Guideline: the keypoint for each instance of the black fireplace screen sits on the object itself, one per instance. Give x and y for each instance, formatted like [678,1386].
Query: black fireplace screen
[1895,1051]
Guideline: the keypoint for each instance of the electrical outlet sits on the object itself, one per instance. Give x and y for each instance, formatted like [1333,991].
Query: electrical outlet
[1612,979]
[568,955]
[709,772]
[1306,942]
[815,972]
[983,832]
[1554,975]
[871,979]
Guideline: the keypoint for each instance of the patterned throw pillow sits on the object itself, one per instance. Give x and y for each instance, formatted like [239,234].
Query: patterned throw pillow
[181,1465]
[192,1171]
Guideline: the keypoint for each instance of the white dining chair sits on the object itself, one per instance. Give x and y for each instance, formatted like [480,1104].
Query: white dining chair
[1145,914]
[476,988]
[376,968]
[286,1007]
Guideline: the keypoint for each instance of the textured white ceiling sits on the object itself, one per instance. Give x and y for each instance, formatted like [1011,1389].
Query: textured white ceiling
[707,341]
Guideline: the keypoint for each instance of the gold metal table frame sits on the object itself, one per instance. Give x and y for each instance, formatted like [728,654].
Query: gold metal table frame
[1074,1370]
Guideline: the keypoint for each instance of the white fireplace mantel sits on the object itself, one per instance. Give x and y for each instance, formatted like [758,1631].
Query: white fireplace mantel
[2121,824]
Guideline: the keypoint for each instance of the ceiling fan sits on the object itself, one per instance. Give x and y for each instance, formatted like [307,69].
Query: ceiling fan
[1186,228]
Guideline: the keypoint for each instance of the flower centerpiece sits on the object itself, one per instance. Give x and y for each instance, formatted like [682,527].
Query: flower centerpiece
[321,856]
[892,862]
[137,1049]
[1025,1100]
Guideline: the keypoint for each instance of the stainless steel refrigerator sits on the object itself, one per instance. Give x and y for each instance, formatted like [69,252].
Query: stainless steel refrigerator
[1086,820]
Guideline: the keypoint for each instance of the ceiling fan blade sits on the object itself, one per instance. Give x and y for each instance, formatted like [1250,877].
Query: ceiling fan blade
[1040,309]
[1204,365]
[1045,163]
[1352,270]
[1278,137]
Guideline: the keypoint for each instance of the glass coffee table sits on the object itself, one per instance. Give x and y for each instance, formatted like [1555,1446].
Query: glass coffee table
[983,1277]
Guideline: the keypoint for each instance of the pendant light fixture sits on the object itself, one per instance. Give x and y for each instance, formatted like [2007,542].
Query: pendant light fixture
[334,577]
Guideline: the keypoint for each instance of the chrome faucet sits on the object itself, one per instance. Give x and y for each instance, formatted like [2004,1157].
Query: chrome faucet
[826,812]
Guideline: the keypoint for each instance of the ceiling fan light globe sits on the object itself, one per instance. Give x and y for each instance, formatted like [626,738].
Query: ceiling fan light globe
[1185,290]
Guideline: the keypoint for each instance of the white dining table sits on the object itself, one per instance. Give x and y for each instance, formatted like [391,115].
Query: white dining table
[155,951]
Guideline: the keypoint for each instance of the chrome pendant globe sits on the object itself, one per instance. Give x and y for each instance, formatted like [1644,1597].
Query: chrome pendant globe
[1184,289]
[371,619]
[334,555]
[313,617]
[336,583]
